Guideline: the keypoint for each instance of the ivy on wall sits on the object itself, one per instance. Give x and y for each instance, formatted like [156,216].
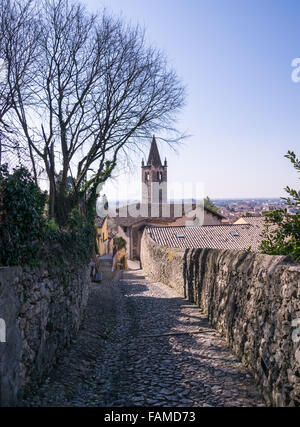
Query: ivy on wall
[21,217]
[27,237]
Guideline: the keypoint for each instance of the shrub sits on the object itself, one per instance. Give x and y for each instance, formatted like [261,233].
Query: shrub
[27,237]
[282,232]
[120,243]
[22,223]
[74,244]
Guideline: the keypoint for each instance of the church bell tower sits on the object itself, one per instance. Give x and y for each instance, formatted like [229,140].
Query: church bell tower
[154,178]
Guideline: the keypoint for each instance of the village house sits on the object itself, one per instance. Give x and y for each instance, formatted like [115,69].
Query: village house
[102,235]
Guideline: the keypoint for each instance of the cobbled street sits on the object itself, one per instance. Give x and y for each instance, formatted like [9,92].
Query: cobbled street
[142,345]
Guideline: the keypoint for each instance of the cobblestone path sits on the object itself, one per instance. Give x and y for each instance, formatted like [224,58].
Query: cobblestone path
[142,345]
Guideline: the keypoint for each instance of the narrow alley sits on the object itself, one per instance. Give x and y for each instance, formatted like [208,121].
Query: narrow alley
[142,345]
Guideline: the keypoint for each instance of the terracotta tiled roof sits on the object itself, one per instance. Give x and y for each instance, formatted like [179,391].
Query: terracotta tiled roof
[258,221]
[234,237]
[129,221]
[99,222]
[215,213]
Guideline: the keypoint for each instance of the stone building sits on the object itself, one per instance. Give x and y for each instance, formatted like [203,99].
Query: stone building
[154,177]
[154,209]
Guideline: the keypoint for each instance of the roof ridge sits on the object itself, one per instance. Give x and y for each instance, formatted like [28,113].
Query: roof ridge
[200,226]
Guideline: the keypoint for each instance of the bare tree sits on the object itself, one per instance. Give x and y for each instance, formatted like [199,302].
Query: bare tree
[97,91]
[18,50]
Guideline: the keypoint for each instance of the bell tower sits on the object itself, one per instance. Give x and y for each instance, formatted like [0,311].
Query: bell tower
[154,178]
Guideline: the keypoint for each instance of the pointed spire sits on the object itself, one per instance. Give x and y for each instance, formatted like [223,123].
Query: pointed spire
[154,157]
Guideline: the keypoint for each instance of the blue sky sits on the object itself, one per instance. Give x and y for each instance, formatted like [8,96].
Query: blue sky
[243,109]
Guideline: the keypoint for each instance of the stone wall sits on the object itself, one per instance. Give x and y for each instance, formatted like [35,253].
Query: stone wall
[252,299]
[42,311]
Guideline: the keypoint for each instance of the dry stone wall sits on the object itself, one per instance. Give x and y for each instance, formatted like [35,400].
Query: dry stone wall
[252,299]
[42,311]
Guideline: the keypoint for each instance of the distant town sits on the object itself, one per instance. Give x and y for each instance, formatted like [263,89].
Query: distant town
[233,209]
